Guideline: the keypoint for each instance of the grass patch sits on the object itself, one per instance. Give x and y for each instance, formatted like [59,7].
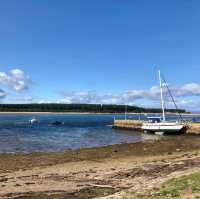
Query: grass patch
[176,187]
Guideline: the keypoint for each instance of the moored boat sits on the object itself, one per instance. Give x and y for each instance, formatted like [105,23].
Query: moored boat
[156,125]
[160,125]
[33,121]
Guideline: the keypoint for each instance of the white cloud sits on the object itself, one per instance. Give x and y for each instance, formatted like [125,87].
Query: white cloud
[191,89]
[46,102]
[80,97]
[15,79]
[189,104]
[130,97]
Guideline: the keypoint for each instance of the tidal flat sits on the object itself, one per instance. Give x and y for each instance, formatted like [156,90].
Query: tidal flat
[117,171]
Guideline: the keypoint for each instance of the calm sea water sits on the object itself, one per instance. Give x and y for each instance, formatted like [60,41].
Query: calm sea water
[78,131]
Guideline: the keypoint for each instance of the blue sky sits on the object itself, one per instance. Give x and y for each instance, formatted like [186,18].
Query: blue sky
[99,50]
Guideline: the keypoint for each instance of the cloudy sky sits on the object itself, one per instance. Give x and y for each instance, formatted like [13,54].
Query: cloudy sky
[106,51]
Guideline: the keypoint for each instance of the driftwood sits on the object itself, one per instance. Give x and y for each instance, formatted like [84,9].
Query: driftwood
[100,185]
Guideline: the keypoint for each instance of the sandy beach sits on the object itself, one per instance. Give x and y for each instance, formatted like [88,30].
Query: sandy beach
[117,171]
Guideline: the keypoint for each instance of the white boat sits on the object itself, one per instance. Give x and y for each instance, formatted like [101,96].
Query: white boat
[33,121]
[159,125]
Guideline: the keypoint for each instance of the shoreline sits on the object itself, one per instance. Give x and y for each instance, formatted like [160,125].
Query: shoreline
[98,172]
[147,147]
[91,113]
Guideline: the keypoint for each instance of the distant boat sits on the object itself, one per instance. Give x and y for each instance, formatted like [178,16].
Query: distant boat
[33,121]
[159,125]
[57,123]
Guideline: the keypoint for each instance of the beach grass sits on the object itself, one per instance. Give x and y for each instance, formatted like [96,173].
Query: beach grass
[177,187]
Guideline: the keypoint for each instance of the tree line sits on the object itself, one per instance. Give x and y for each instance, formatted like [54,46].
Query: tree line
[93,108]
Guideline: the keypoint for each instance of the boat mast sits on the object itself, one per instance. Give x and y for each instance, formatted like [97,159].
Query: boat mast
[161,97]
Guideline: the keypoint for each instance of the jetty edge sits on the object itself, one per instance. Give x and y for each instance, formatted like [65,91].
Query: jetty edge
[136,125]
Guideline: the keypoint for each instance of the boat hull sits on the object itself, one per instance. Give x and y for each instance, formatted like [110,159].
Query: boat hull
[163,127]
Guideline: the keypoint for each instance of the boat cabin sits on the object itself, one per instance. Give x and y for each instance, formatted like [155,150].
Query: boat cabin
[154,119]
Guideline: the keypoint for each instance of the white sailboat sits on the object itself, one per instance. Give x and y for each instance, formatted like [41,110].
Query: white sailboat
[159,125]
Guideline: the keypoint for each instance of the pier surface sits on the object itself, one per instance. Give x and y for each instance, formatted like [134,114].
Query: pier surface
[194,128]
[128,124]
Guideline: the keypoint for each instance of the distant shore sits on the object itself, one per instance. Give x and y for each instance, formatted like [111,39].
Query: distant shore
[92,113]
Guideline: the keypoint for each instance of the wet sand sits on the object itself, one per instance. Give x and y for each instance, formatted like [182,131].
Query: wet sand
[98,172]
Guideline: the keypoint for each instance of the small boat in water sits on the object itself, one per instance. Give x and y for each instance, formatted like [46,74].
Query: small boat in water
[33,121]
[57,123]
[159,125]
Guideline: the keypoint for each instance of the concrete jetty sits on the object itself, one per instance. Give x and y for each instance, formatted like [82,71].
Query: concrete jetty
[193,128]
[128,124]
